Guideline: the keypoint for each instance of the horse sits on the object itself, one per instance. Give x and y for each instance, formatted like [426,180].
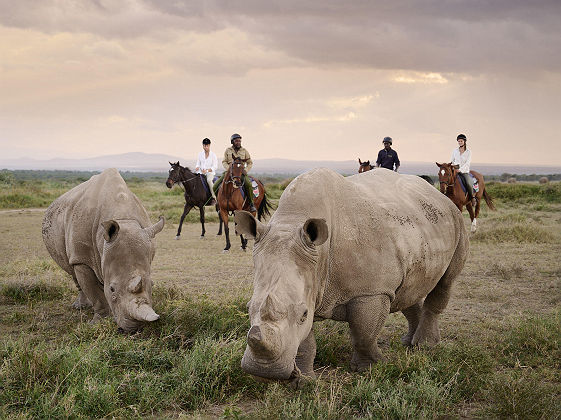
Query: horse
[427,178]
[196,194]
[230,198]
[450,186]
[364,166]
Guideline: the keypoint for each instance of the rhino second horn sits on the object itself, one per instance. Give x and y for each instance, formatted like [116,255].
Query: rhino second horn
[156,228]
[135,285]
[144,313]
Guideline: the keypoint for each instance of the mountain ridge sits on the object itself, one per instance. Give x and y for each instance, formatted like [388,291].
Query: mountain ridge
[158,162]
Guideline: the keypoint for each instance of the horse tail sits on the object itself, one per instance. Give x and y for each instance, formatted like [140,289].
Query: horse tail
[265,207]
[488,200]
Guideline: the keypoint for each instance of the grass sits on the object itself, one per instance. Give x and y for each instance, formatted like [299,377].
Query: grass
[190,360]
[499,358]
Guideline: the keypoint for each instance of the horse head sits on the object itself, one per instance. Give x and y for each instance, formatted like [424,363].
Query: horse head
[447,174]
[364,166]
[236,171]
[174,174]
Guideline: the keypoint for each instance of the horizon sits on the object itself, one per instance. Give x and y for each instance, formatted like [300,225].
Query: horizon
[298,81]
[281,158]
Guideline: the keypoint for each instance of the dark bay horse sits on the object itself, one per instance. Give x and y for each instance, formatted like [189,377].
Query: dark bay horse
[230,198]
[364,166]
[195,194]
[450,186]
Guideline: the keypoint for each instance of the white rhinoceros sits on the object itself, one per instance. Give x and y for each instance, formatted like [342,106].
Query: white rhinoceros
[350,249]
[101,235]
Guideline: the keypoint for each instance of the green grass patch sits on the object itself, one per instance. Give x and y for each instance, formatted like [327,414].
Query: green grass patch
[525,193]
[33,292]
[517,233]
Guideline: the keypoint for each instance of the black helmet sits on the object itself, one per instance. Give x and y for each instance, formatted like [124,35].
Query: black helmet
[234,137]
[206,141]
[461,136]
[387,140]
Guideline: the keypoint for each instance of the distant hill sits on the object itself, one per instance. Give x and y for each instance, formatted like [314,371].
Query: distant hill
[144,162]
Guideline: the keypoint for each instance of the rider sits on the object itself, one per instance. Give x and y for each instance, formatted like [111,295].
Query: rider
[238,151]
[462,157]
[207,162]
[387,157]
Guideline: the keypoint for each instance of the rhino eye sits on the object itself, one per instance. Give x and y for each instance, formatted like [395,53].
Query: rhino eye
[112,289]
[304,316]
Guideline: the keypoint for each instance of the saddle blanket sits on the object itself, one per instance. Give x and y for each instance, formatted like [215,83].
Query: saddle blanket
[473,180]
[254,188]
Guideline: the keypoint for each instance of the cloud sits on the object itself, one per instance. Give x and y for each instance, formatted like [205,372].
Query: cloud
[419,77]
[431,36]
[353,102]
[312,119]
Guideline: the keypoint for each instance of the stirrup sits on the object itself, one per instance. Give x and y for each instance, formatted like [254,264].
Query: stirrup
[252,209]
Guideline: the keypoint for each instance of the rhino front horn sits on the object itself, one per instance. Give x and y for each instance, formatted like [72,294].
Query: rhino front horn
[156,228]
[144,313]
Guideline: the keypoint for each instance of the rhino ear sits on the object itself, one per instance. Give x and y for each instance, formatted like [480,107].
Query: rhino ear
[110,230]
[315,231]
[248,225]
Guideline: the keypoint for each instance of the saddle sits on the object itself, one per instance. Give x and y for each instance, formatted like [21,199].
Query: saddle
[205,182]
[474,181]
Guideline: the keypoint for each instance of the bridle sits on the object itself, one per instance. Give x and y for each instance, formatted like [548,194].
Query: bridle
[181,177]
[451,179]
[236,181]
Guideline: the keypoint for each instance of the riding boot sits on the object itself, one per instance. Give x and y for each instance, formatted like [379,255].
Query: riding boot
[216,185]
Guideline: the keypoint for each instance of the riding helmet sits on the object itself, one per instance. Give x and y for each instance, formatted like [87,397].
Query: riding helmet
[234,137]
[206,141]
[461,136]
[387,140]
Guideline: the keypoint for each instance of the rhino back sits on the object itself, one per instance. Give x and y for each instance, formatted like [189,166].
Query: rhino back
[389,233]
[71,226]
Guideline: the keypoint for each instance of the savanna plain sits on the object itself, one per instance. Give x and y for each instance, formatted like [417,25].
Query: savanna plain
[500,354]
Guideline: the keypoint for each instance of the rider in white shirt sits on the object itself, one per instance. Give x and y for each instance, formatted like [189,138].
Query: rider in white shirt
[207,163]
[462,157]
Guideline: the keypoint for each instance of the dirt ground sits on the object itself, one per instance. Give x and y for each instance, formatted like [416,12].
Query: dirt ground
[500,280]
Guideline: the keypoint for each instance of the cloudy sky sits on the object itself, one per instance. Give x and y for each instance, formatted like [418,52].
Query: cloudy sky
[320,80]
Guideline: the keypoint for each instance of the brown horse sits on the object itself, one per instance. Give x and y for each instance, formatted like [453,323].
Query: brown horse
[364,166]
[450,186]
[230,198]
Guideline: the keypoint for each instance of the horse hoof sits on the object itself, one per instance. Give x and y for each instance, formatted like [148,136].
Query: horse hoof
[201,237]
[177,238]
[225,251]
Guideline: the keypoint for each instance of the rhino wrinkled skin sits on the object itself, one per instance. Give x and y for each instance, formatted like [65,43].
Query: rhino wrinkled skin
[351,249]
[101,235]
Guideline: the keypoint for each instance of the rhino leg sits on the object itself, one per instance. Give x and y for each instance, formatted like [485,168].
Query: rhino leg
[413,316]
[366,316]
[436,301]
[81,301]
[92,289]
[306,355]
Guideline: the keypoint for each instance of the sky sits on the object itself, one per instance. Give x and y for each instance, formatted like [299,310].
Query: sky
[306,80]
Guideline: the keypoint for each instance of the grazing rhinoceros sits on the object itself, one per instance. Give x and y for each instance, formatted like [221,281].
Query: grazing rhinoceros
[350,249]
[101,235]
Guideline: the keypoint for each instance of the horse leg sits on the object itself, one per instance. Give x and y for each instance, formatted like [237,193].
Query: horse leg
[186,210]
[471,216]
[220,221]
[224,216]
[244,242]
[202,218]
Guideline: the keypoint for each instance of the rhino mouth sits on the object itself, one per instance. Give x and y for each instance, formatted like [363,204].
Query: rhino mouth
[274,370]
